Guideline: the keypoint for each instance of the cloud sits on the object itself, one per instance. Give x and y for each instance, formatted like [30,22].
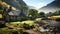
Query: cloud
[37,3]
[41,4]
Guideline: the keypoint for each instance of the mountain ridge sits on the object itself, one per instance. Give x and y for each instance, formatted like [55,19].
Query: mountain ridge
[53,6]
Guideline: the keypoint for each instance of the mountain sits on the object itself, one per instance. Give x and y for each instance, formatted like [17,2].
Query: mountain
[15,3]
[18,4]
[51,7]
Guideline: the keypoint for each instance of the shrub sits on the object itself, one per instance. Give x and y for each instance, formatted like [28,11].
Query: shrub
[58,19]
[26,26]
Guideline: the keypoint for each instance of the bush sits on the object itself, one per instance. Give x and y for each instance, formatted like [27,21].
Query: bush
[1,7]
[2,25]
[15,32]
[23,19]
[4,32]
[26,26]
[58,19]
[25,33]
[7,31]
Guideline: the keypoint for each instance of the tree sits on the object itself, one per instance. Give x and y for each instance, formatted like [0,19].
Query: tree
[57,13]
[1,6]
[53,13]
[41,14]
[49,14]
[22,8]
[22,14]
[33,13]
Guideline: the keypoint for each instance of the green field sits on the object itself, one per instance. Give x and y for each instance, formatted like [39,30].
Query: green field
[29,22]
[0,15]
